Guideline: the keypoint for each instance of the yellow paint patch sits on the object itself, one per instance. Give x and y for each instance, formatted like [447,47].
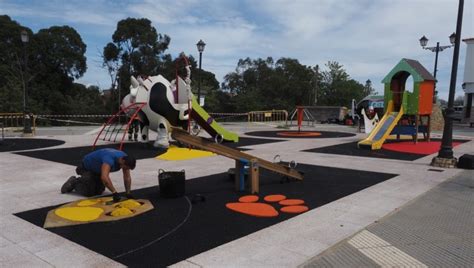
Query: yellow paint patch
[104,199]
[88,202]
[121,212]
[175,154]
[81,214]
[130,203]
[91,202]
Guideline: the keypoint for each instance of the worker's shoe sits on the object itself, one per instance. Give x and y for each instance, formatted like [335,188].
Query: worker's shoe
[68,186]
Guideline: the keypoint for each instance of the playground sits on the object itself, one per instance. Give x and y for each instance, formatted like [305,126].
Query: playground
[209,193]
[298,134]
[218,220]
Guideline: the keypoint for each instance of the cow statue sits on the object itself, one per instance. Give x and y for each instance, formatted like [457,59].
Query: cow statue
[167,104]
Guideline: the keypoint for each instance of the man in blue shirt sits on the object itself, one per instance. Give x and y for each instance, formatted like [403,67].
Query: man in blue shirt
[95,170]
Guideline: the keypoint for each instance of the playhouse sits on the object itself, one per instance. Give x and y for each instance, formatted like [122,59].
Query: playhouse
[406,112]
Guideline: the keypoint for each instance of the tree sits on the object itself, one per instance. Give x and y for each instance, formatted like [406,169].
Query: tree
[316,83]
[58,59]
[111,53]
[61,49]
[337,88]
[265,84]
[11,65]
[49,63]
[135,49]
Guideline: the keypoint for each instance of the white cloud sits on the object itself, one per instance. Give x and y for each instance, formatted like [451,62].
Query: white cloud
[367,36]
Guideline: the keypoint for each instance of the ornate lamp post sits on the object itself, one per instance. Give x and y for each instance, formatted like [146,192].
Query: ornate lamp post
[200,47]
[26,117]
[445,156]
[436,49]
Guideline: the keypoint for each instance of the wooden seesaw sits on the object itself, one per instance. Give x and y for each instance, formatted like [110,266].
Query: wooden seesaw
[241,159]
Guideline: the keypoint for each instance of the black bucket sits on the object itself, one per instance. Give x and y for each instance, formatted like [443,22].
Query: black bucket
[171,183]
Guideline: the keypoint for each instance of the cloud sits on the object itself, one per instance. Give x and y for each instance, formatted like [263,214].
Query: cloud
[87,12]
[367,36]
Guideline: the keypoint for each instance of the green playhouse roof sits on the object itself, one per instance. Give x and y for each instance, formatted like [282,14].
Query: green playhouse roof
[413,67]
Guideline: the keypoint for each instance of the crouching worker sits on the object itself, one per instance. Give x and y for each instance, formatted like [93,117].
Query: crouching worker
[95,170]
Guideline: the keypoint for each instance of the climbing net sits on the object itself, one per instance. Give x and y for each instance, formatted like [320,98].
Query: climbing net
[118,124]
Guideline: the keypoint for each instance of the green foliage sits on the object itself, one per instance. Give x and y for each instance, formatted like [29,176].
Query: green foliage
[61,50]
[11,90]
[337,88]
[48,64]
[137,49]
[218,101]
[265,84]
[45,68]
[134,50]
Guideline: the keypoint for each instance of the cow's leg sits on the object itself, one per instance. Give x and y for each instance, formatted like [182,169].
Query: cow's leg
[162,140]
[144,131]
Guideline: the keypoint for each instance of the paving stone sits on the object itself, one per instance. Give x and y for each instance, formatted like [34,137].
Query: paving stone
[344,256]
[434,230]
[31,183]
[15,256]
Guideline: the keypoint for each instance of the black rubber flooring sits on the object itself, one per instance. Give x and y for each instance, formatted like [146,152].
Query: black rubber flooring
[176,229]
[73,156]
[352,150]
[19,144]
[324,134]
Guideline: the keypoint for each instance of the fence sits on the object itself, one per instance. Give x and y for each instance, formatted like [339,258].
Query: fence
[273,116]
[325,113]
[15,121]
[229,117]
[72,119]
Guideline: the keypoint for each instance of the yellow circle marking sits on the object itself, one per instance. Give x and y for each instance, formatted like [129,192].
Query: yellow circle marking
[104,199]
[174,153]
[82,214]
[130,203]
[121,212]
[88,202]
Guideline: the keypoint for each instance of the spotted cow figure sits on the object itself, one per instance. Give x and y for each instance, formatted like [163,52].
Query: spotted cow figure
[167,104]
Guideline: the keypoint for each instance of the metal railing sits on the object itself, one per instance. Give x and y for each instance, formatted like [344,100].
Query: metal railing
[271,116]
[15,121]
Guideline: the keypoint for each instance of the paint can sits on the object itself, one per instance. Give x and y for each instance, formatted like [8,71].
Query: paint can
[466,161]
[171,183]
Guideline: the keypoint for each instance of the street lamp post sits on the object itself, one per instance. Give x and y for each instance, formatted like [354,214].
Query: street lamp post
[436,49]
[200,47]
[445,156]
[26,117]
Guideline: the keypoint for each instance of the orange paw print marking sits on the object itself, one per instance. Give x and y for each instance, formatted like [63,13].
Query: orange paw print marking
[248,205]
[248,199]
[274,198]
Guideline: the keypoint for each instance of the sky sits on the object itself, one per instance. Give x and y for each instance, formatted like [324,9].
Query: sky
[368,37]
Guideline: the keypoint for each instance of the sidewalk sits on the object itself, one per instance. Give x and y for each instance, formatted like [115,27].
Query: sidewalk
[436,229]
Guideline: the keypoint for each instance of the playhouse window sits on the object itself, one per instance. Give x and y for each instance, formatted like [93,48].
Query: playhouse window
[409,83]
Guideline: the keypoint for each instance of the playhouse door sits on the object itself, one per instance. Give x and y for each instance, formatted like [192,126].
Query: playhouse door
[397,94]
